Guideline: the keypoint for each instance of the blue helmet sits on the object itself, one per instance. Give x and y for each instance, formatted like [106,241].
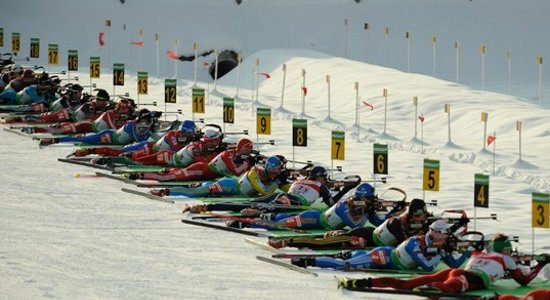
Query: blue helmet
[364,190]
[272,163]
[317,171]
[188,126]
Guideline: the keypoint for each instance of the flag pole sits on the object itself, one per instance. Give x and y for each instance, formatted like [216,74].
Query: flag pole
[415,104]
[303,94]
[422,133]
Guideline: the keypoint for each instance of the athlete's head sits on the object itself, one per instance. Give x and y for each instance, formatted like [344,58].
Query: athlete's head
[500,243]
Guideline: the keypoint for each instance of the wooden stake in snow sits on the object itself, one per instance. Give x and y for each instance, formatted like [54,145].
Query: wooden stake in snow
[457,47]
[386,34]
[448,111]
[539,62]
[518,128]
[196,49]
[356,89]
[283,87]
[484,118]
[385,95]
[239,60]
[509,59]
[408,37]
[346,38]
[415,104]
[216,70]
[366,44]
[157,41]
[482,51]
[327,79]
[256,73]
[434,41]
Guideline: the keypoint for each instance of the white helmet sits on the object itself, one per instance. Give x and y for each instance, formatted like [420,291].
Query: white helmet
[16,68]
[439,229]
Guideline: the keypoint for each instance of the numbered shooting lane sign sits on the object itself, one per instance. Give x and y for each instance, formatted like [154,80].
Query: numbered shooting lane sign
[170,90]
[72,61]
[228,110]
[15,42]
[1,37]
[118,74]
[263,120]
[540,210]
[431,175]
[53,54]
[35,48]
[95,67]
[338,145]
[299,132]
[142,85]
[481,190]
[380,159]
[198,101]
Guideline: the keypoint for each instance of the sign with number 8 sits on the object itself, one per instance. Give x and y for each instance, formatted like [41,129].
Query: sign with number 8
[299,132]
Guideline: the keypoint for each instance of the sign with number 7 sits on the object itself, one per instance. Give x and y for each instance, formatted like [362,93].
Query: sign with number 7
[338,145]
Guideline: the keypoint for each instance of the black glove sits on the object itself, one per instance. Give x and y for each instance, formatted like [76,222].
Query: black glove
[252,160]
[543,258]
[397,206]
[450,245]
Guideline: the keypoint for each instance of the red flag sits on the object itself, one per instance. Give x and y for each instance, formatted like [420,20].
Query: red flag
[304,90]
[171,54]
[138,43]
[101,42]
[266,75]
[421,118]
[368,105]
[491,139]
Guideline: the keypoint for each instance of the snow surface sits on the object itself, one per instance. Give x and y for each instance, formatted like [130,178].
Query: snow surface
[66,237]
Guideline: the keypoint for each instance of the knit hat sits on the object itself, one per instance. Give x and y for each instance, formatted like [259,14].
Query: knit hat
[417,206]
[102,94]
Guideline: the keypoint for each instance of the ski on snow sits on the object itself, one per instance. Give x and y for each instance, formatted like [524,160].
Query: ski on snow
[222,227]
[285,265]
[148,195]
